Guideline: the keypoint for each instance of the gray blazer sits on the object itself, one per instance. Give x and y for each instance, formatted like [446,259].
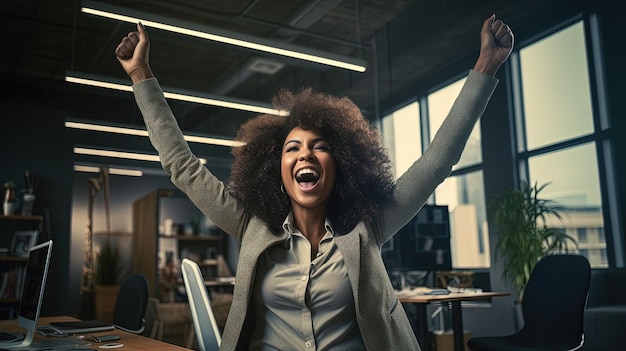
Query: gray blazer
[381,318]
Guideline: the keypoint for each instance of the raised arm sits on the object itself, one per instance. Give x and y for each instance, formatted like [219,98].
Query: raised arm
[415,186]
[186,171]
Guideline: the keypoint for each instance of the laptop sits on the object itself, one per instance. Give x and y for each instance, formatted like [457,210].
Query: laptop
[204,323]
[30,304]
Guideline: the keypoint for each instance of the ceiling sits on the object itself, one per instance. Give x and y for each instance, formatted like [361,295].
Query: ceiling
[403,42]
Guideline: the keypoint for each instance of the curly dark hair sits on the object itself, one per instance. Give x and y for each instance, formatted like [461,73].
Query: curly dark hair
[363,180]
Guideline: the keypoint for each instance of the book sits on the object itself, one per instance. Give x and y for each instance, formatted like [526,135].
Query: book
[3,285]
[81,327]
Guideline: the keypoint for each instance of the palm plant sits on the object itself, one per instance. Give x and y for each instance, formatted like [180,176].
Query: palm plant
[109,264]
[523,236]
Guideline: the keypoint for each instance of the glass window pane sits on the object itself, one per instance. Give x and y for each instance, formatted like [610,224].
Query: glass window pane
[439,104]
[574,184]
[402,137]
[555,88]
[469,242]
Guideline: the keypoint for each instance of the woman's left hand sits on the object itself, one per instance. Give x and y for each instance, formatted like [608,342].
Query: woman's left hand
[496,44]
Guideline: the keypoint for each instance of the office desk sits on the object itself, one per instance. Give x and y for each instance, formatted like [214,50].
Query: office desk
[132,342]
[457,317]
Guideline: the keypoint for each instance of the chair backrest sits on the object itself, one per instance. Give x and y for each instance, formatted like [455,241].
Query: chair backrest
[554,301]
[204,323]
[131,303]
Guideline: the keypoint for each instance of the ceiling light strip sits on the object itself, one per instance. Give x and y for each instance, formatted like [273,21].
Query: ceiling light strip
[237,104]
[121,154]
[223,103]
[116,171]
[214,34]
[144,133]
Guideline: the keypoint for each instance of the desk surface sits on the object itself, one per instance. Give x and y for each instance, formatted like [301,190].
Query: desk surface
[132,342]
[455,299]
[462,296]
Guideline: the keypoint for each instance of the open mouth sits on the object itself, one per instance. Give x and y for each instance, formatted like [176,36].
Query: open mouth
[307,178]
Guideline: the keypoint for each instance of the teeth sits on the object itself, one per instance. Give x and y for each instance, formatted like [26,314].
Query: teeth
[307,175]
[307,171]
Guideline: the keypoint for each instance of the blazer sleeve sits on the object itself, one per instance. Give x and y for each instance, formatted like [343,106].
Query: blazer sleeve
[416,185]
[186,171]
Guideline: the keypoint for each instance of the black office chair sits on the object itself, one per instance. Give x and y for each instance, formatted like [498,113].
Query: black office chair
[553,308]
[131,304]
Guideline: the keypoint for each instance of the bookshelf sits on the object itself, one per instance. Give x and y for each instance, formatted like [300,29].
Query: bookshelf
[158,242]
[422,245]
[13,265]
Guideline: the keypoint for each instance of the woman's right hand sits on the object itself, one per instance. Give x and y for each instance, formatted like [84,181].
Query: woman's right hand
[133,54]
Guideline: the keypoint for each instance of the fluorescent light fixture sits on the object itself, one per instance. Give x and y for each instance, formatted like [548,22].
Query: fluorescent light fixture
[222,36]
[116,171]
[121,154]
[144,133]
[200,98]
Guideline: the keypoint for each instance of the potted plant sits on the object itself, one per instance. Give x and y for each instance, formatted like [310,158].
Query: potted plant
[102,272]
[523,237]
[109,262]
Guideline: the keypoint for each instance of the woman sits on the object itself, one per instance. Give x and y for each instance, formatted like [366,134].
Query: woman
[311,202]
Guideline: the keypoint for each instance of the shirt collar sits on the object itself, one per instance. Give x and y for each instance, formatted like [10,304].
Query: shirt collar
[289,228]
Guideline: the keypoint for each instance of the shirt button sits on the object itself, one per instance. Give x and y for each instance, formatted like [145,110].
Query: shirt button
[308,344]
[303,277]
[305,310]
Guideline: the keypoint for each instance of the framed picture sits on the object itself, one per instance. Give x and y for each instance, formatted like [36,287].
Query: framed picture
[23,240]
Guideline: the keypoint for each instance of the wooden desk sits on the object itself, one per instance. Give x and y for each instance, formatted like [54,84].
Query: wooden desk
[457,312]
[132,342]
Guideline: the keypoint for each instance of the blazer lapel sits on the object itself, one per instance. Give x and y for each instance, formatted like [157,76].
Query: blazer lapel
[350,247]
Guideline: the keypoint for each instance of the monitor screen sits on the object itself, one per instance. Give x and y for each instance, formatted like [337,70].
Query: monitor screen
[34,282]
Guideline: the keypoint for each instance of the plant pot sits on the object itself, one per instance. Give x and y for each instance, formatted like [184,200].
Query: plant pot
[105,297]
[10,207]
[10,204]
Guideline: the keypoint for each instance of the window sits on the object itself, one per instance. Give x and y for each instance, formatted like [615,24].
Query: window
[402,137]
[560,137]
[555,84]
[557,140]
[469,242]
[601,237]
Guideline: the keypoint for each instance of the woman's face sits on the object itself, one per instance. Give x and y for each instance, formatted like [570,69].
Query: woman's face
[307,168]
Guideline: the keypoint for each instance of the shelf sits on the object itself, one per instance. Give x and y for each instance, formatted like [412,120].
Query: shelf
[13,259]
[149,214]
[113,233]
[216,282]
[12,268]
[21,218]
[208,263]
[191,237]
[195,237]
[5,301]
